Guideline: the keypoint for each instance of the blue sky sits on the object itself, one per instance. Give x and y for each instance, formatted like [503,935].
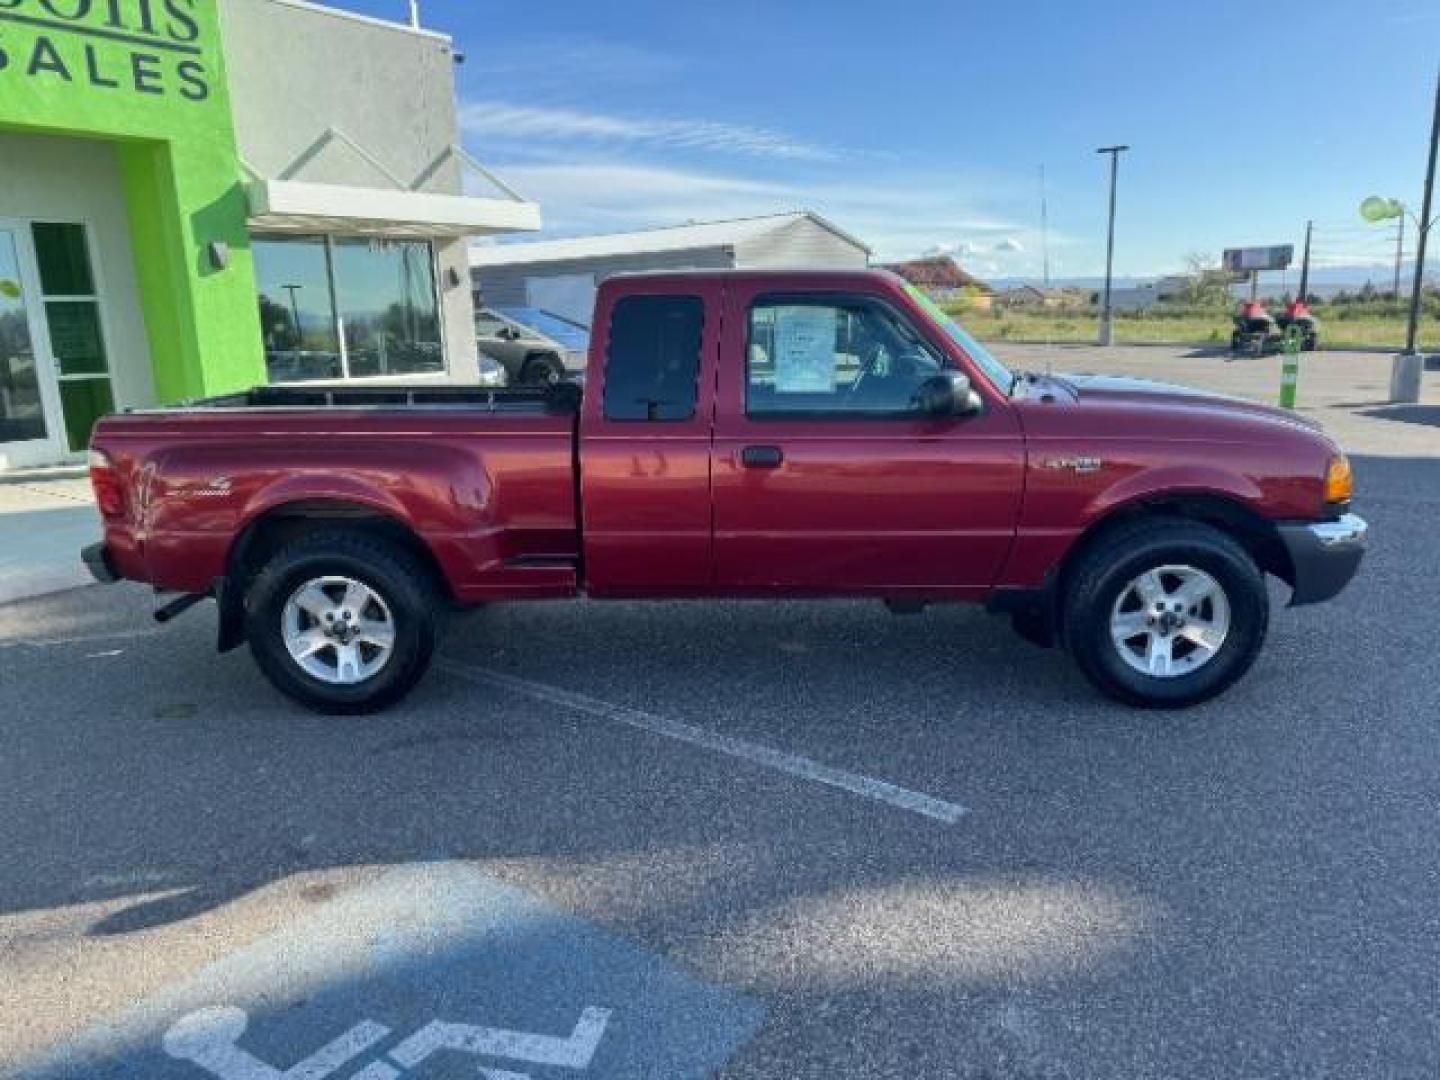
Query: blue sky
[920,126]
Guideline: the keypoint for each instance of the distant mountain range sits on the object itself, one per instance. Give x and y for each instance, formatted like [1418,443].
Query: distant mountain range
[1325,281]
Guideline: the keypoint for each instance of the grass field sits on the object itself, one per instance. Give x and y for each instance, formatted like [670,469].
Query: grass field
[1052,326]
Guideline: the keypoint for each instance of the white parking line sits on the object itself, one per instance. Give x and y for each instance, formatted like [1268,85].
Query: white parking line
[779,760]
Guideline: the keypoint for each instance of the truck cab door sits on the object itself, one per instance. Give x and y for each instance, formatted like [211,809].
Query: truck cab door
[645,439]
[828,479]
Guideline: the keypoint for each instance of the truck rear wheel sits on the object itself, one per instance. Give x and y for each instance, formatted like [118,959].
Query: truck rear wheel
[342,622]
[1165,613]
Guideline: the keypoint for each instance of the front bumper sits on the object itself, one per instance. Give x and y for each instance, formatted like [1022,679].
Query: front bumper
[97,561]
[1325,555]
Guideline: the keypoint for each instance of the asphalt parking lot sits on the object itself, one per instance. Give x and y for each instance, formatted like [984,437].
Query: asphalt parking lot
[745,840]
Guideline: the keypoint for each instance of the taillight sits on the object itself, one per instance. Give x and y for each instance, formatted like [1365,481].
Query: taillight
[1339,480]
[109,496]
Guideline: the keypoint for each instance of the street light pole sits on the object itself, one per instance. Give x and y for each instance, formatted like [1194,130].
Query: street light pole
[1106,325]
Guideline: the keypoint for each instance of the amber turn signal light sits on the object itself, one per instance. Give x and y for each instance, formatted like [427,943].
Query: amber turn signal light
[1339,480]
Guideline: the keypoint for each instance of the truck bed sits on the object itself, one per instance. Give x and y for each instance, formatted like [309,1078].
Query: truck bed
[485,478]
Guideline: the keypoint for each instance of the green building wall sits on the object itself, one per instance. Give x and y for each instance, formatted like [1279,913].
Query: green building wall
[149,76]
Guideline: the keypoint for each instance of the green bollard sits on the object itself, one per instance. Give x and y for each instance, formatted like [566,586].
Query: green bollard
[1290,368]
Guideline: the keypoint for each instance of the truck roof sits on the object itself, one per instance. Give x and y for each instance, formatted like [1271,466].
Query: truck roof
[762,273]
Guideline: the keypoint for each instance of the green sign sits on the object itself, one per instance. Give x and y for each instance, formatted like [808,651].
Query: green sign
[149,76]
[135,46]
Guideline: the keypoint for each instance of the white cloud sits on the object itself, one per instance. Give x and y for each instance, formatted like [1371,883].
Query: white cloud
[499,120]
[897,216]
[1010,244]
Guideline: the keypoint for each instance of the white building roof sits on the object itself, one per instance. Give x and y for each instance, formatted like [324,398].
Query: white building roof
[701,234]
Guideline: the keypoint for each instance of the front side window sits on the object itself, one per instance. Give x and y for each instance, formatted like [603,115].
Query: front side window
[653,363]
[347,307]
[489,325]
[841,357]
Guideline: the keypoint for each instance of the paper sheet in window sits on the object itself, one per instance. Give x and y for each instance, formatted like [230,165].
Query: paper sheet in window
[805,350]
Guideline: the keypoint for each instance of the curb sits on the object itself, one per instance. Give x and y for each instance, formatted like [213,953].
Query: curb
[40,475]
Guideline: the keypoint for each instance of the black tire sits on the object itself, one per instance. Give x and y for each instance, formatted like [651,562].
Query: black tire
[388,570]
[1104,573]
[542,369]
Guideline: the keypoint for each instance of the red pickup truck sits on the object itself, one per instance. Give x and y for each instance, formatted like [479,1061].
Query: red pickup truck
[739,434]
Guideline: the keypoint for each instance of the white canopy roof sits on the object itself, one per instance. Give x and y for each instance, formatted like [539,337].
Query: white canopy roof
[294,206]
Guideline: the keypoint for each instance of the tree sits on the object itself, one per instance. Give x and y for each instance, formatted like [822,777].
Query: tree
[1207,282]
[277,324]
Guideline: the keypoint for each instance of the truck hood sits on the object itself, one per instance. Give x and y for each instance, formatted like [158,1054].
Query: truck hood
[1064,403]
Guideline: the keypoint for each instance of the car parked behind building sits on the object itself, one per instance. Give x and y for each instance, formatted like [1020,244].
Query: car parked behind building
[534,347]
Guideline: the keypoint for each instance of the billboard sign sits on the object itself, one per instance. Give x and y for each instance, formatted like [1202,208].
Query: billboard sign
[1245,260]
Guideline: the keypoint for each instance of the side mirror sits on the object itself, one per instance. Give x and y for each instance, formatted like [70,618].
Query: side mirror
[948,394]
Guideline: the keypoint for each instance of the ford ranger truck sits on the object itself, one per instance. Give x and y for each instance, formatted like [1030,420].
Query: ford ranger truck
[739,434]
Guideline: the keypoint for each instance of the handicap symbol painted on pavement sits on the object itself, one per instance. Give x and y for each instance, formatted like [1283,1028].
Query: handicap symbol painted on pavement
[428,972]
[210,1038]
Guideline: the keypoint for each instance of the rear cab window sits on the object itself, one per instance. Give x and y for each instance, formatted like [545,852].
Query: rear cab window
[652,362]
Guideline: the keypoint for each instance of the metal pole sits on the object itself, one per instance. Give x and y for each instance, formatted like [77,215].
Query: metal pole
[1305,265]
[415,14]
[1106,325]
[1425,224]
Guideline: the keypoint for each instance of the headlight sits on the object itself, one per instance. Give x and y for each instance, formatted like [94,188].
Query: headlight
[1339,480]
[491,372]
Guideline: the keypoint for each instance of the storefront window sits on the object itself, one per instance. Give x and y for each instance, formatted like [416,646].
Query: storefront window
[386,294]
[347,307]
[297,310]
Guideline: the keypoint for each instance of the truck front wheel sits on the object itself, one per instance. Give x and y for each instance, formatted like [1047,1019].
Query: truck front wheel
[342,622]
[1165,613]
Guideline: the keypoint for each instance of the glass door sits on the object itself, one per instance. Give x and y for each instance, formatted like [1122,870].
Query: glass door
[27,391]
[73,328]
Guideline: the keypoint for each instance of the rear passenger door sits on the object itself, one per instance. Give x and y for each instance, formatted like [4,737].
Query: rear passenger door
[827,477]
[645,440]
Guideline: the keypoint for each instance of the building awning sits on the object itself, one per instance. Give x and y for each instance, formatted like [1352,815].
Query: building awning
[295,206]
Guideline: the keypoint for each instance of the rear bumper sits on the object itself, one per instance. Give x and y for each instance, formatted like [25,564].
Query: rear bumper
[1325,556]
[97,561]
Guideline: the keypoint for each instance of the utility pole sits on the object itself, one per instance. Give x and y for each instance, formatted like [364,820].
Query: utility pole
[1044,231]
[1107,328]
[1424,229]
[1305,265]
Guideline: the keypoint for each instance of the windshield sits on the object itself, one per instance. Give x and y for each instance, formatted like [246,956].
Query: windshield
[557,329]
[995,371]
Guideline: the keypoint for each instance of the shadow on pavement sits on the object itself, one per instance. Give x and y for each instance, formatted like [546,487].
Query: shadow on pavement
[1429,415]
